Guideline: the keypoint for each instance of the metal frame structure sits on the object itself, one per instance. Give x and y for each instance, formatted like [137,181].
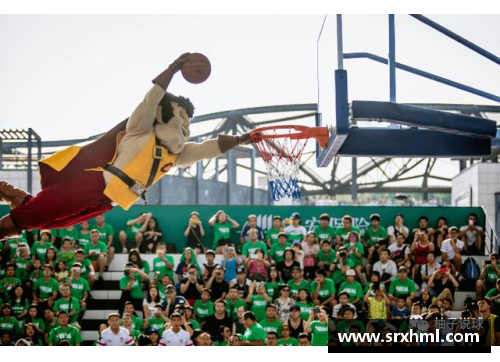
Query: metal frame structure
[441,133]
[9,137]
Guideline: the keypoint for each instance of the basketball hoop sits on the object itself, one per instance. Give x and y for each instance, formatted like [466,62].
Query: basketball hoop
[281,148]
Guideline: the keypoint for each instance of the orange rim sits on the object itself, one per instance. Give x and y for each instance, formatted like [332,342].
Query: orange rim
[321,134]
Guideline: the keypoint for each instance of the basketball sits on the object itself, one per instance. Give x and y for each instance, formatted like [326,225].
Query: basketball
[197,68]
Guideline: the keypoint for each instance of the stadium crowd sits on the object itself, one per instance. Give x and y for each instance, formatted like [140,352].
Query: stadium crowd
[286,286]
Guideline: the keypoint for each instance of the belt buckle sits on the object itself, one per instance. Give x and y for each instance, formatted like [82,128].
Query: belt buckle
[138,188]
[157,152]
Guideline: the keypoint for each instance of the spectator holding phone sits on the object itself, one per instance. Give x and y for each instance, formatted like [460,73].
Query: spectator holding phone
[191,286]
[317,326]
[258,266]
[250,247]
[378,304]
[472,235]
[230,262]
[444,284]
[398,228]
[194,233]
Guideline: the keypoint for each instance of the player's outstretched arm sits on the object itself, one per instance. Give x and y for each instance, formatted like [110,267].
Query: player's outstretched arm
[194,152]
[143,117]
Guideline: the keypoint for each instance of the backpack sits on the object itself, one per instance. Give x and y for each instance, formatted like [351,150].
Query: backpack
[470,269]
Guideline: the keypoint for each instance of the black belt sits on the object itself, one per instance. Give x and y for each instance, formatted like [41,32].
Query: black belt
[135,186]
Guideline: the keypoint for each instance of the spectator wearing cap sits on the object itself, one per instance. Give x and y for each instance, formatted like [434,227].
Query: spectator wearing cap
[324,231]
[272,234]
[276,254]
[343,302]
[217,284]
[209,266]
[222,225]
[286,338]
[310,248]
[342,232]
[251,224]
[375,232]
[472,235]
[39,248]
[296,232]
[398,228]
[451,248]
[45,289]
[230,262]
[154,337]
[402,285]
[242,283]
[298,316]
[489,332]
[323,290]
[352,287]
[194,233]
[64,332]
[297,283]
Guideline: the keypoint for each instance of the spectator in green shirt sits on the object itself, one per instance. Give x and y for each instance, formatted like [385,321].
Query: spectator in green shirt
[318,328]
[488,277]
[134,235]
[352,287]
[222,225]
[403,285]
[83,235]
[8,323]
[277,251]
[287,339]
[324,231]
[271,339]
[304,340]
[254,333]
[97,252]
[64,332]
[131,287]
[323,290]
[39,248]
[272,234]
[374,233]
[250,248]
[9,283]
[326,257]
[45,289]
[342,233]
[106,235]
[356,252]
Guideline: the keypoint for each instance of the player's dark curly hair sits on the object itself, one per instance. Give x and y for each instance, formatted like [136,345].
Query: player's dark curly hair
[168,112]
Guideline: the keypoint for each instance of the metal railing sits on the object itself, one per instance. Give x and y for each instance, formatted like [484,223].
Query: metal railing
[491,241]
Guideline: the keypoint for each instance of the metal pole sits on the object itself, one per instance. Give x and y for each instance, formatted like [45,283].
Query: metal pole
[392,58]
[30,171]
[230,172]
[354,182]
[252,182]
[217,169]
[340,43]
[1,155]
[199,177]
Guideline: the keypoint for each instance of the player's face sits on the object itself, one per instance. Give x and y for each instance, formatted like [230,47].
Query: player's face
[175,133]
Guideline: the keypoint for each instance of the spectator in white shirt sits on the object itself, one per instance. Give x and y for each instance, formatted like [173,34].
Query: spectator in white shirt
[399,250]
[296,232]
[472,235]
[387,269]
[397,228]
[451,248]
[115,335]
[175,335]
